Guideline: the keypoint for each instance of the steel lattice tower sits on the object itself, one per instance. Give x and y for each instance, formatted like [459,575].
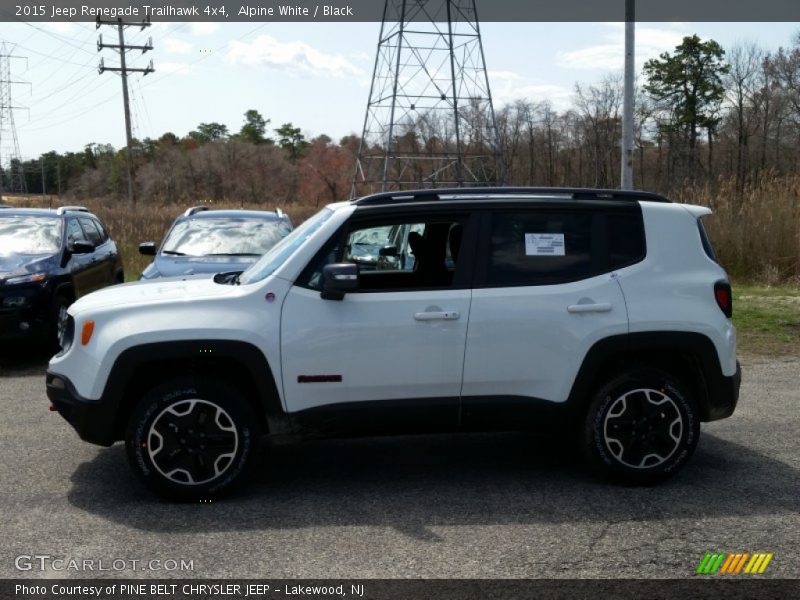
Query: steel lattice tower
[430,120]
[9,142]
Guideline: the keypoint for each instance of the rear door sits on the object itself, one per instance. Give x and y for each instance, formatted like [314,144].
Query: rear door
[545,292]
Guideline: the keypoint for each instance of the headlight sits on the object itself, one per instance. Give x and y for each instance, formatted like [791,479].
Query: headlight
[35,278]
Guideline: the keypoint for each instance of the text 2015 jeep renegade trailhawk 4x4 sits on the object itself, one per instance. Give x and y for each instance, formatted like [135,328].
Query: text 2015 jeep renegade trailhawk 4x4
[600,312]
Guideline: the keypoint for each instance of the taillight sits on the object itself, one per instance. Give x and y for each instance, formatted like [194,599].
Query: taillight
[724,297]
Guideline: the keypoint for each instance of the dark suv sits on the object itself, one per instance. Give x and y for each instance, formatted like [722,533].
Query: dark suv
[49,258]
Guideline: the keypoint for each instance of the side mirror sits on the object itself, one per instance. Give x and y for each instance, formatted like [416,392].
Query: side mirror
[81,247]
[389,251]
[147,248]
[338,279]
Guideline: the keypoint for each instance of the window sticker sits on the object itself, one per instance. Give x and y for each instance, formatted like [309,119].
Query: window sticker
[544,244]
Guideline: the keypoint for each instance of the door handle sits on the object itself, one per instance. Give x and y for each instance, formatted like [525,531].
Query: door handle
[589,308]
[447,315]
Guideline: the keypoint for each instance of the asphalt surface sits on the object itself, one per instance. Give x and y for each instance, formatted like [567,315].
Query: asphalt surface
[486,506]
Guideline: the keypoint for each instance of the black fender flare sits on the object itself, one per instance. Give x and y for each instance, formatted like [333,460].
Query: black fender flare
[715,393]
[236,359]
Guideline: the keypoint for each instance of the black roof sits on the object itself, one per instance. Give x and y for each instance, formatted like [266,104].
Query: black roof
[481,193]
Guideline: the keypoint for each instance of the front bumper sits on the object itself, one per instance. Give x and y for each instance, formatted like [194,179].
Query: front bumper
[94,420]
[20,324]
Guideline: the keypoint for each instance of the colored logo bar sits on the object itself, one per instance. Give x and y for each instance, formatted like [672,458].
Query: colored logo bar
[734,563]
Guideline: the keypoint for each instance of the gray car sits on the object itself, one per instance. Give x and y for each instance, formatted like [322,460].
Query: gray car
[203,241]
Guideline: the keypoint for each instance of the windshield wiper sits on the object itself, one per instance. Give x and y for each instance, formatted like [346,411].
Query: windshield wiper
[173,253]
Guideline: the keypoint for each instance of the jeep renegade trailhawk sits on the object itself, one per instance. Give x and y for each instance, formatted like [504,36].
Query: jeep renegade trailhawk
[600,312]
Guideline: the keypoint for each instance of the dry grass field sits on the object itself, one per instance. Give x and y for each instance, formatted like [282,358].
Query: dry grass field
[756,234]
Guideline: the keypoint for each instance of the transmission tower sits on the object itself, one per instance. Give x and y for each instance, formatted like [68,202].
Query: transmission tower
[430,119]
[123,70]
[9,142]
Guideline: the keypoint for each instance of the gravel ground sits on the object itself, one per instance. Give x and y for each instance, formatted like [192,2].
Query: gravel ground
[493,506]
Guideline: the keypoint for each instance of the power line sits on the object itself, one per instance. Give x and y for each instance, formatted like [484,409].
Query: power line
[80,112]
[123,70]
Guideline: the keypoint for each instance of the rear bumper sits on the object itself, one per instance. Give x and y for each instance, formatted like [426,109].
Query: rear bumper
[92,419]
[723,395]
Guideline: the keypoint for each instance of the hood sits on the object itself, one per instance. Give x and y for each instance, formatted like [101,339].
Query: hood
[154,292]
[173,266]
[14,265]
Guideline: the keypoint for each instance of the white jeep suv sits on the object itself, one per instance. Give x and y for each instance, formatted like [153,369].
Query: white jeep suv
[600,312]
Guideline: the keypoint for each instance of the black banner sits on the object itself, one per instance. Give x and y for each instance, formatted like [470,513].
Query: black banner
[373,589]
[416,10]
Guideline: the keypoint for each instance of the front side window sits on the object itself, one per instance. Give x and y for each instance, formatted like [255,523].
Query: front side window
[92,233]
[394,255]
[27,234]
[74,232]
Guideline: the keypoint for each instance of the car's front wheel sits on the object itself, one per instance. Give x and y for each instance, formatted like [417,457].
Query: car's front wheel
[192,439]
[641,427]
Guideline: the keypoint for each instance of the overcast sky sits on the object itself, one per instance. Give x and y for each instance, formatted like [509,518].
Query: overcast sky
[314,75]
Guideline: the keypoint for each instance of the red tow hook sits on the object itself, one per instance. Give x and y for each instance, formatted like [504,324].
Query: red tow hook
[53,408]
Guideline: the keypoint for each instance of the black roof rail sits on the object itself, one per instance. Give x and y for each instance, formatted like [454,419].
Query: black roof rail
[63,209]
[193,210]
[432,195]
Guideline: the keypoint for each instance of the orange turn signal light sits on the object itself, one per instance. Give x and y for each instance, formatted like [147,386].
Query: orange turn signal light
[86,332]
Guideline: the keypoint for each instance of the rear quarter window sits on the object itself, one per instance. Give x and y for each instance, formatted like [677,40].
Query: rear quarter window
[709,249]
[626,244]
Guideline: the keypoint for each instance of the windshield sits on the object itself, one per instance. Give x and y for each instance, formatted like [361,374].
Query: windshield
[27,234]
[224,236]
[267,264]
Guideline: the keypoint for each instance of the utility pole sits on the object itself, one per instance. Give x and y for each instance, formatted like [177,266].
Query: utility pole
[123,70]
[626,176]
[10,151]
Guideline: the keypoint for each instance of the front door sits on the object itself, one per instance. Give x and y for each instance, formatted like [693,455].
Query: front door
[390,356]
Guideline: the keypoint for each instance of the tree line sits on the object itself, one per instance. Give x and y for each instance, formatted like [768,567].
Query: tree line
[703,115]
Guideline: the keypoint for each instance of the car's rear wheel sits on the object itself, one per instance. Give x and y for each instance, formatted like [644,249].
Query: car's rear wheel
[641,427]
[192,439]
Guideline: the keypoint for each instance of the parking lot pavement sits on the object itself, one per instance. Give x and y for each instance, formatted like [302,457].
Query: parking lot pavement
[489,506]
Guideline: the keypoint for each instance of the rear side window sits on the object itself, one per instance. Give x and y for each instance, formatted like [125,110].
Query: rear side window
[547,247]
[539,248]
